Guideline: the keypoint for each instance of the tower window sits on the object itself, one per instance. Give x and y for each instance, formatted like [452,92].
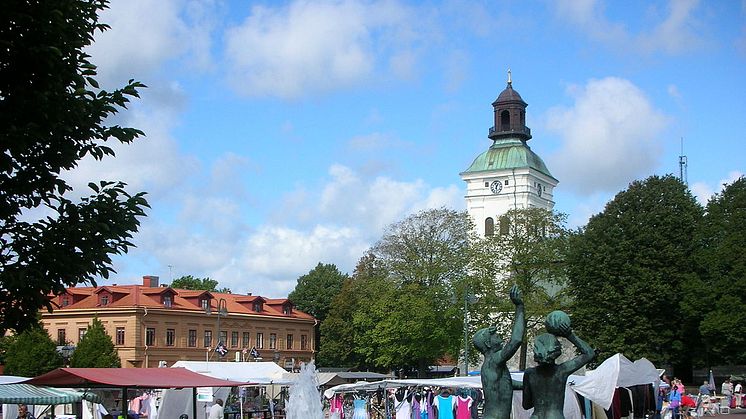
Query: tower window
[486,184]
[489,227]
[504,225]
[507,182]
[504,121]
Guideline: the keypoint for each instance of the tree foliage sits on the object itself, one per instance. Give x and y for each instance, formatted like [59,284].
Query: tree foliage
[714,300]
[337,343]
[627,268]
[32,353]
[95,349]
[315,290]
[52,114]
[530,253]
[189,282]
[410,315]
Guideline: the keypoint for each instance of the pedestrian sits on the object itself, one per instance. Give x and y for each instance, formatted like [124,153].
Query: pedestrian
[727,390]
[216,410]
[23,412]
[704,389]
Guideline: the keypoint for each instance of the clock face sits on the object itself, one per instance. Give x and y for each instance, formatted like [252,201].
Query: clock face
[496,186]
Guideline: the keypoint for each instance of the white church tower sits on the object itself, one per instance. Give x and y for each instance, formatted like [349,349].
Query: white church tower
[508,175]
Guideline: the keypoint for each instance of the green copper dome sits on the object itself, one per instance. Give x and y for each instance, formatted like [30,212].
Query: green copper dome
[510,153]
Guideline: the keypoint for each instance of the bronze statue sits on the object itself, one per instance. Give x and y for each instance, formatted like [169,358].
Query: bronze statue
[496,382]
[544,385]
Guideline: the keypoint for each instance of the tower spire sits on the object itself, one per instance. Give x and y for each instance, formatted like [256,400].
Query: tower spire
[510,80]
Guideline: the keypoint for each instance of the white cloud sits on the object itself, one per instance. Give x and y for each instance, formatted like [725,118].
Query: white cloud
[610,136]
[675,31]
[144,34]
[317,46]
[704,191]
[335,223]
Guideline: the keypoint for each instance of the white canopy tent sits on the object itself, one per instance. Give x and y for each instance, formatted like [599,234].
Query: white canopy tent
[176,402]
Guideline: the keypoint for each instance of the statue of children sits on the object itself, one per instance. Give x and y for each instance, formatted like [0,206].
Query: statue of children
[496,382]
[544,385]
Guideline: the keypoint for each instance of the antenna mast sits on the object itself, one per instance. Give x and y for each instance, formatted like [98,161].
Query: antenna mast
[683,165]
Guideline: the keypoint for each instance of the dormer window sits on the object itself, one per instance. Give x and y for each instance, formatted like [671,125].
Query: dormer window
[168,300]
[104,300]
[204,303]
[287,309]
[65,301]
[258,306]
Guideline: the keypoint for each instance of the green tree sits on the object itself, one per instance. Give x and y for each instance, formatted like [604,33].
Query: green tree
[315,290]
[95,349]
[627,268]
[412,317]
[189,282]
[714,300]
[529,251]
[337,342]
[53,114]
[32,353]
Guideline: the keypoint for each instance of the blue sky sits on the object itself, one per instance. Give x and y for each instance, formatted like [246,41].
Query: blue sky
[283,134]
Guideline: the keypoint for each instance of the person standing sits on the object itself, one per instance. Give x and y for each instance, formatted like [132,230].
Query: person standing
[704,389]
[727,390]
[216,410]
[23,412]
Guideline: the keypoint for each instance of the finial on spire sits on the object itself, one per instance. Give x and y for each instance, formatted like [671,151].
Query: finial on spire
[510,80]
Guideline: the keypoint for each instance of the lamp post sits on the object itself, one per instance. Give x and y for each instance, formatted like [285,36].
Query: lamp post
[468,298]
[222,311]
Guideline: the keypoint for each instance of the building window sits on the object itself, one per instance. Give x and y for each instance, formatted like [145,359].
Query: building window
[104,300]
[489,227]
[289,342]
[272,341]
[208,339]
[486,184]
[81,333]
[245,339]
[257,306]
[65,302]
[192,338]
[120,336]
[287,309]
[61,339]
[170,337]
[150,336]
[234,339]
[223,337]
[303,342]
[260,340]
[504,225]
[507,182]
[168,300]
[205,303]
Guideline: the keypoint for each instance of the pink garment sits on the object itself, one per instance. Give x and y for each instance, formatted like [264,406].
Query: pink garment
[335,405]
[463,407]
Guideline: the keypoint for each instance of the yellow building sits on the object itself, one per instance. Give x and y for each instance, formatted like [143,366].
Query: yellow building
[150,324]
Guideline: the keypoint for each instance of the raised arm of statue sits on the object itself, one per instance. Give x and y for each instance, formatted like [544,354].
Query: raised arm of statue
[586,354]
[519,326]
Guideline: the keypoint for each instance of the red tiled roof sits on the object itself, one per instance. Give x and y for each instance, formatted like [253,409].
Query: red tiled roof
[139,296]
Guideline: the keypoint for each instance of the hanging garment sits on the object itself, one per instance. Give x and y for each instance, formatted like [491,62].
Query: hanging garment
[335,405]
[445,406]
[361,409]
[463,407]
[416,406]
[404,409]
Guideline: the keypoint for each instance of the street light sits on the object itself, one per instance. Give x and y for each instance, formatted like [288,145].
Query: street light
[222,311]
[468,298]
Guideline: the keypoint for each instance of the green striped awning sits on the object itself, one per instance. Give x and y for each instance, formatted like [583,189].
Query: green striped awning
[29,394]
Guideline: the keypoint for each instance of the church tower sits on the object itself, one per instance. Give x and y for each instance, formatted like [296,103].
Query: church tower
[508,175]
